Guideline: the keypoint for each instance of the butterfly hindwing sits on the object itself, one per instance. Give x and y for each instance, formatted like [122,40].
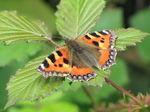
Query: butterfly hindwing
[107,58]
[80,71]
[56,64]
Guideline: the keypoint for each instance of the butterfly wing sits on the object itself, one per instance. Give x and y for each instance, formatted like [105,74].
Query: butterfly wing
[99,45]
[63,62]
[106,58]
[100,39]
[56,64]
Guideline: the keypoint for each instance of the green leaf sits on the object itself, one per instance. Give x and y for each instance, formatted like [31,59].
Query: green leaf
[28,85]
[77,17]
[56,106]
[98,81]
[51,103]
[14,28]
[19,51]
[44,12]
[144,16]
[120,78]
[105,23]
[74,86]
[128,37]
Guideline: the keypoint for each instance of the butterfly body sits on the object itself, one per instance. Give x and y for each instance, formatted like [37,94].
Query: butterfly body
[76,59]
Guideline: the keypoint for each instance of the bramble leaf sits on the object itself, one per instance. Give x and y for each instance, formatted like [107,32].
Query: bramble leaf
[98,81]
[29,85]
[77,17]
[19,51]
[128,37]
[14,28]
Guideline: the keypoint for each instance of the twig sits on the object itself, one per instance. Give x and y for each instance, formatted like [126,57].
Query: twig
[124,92]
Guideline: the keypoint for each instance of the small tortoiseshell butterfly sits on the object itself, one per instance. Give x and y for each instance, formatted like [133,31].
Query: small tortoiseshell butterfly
[76,59]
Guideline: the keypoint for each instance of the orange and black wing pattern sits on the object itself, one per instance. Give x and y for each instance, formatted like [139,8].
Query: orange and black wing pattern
[80,71]
[74,59]
[104,42]
[56,64]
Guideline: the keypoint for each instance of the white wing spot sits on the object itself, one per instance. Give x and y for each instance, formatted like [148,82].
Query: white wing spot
[42,66]
[105,31]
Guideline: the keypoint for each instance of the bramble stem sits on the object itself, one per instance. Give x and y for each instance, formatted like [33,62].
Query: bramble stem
[124,92]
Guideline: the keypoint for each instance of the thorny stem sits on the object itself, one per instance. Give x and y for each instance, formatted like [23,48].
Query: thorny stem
[89,96]
[124,92]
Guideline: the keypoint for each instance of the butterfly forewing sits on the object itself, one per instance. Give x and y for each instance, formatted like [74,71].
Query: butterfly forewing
[101,39]
[56,64]
[103,42]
